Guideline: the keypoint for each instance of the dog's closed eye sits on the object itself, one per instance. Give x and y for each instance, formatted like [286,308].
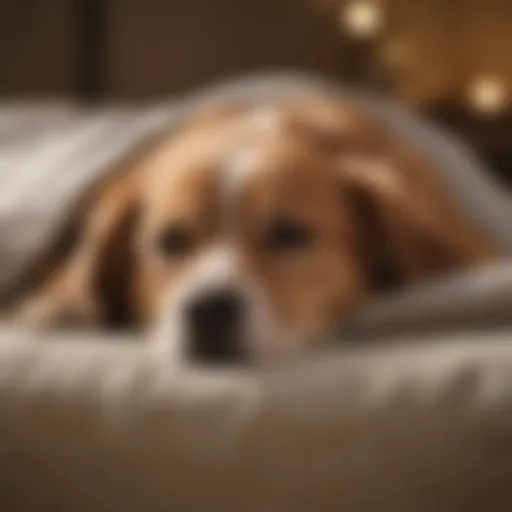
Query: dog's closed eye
[286,235]
[175,242]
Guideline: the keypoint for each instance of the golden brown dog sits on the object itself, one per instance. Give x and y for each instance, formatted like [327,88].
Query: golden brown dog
[256,230]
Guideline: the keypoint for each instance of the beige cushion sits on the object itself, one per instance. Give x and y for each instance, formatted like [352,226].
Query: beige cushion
[408,429]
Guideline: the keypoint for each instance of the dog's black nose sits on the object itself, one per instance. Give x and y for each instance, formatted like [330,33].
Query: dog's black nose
[214,322]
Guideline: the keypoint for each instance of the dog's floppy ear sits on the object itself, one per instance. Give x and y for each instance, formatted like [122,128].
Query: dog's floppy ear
[91,281]
[407,227]
[110,240]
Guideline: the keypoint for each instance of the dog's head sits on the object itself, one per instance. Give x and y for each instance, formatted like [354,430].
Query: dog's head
[259,230]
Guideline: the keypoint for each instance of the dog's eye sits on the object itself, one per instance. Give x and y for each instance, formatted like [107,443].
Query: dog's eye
[174,242]
[288,235]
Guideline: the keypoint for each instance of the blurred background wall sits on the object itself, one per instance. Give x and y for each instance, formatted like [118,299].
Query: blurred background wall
[145,48]
[448,58]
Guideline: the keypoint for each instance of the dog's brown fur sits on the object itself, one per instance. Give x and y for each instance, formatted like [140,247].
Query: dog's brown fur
[379,209]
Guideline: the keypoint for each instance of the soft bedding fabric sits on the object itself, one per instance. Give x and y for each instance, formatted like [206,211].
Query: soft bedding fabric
[476,300]
[410,429]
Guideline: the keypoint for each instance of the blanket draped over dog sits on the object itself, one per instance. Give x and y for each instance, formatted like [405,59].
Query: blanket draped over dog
[100,425]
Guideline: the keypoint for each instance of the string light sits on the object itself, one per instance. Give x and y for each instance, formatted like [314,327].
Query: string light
[487,94]
[362,18]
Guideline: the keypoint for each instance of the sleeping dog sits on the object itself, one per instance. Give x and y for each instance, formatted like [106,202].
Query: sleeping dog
[255,230]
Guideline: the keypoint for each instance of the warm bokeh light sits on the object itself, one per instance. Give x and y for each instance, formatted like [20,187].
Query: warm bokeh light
[487,94]
[362,18]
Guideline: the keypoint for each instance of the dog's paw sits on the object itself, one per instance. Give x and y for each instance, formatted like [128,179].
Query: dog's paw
[47,312]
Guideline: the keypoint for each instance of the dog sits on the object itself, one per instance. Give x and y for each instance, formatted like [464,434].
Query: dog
[255,230]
